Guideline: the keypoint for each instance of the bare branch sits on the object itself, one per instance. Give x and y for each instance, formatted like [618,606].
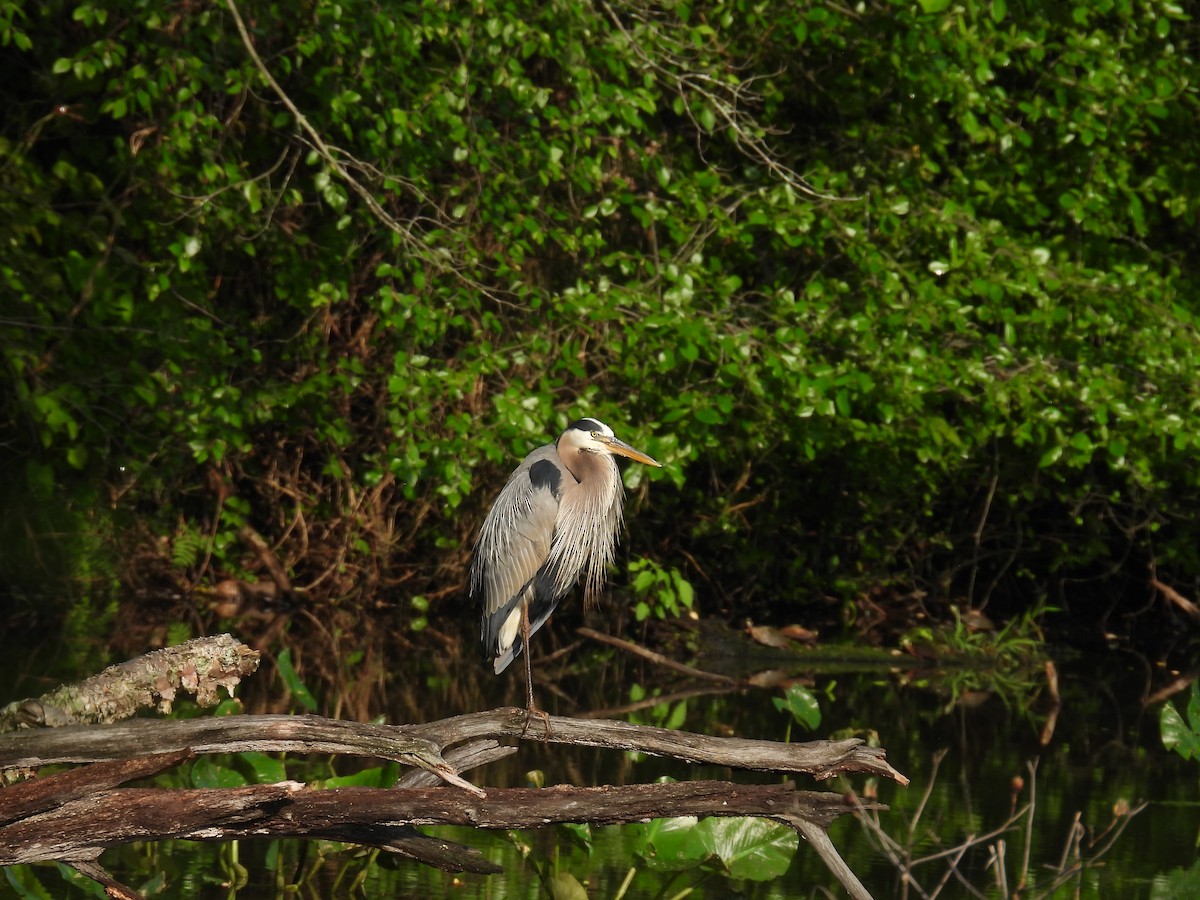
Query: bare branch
[819,759]
[819,840]
[227,734]
[81,829]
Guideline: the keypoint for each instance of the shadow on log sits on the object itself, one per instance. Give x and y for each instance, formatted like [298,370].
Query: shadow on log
[73,816]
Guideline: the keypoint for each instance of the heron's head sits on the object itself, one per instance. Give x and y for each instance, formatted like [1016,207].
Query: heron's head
[593,436]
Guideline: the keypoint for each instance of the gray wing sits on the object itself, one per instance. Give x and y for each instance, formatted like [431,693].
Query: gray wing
[515,541]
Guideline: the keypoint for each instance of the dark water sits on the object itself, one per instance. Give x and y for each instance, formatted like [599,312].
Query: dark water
[1104,756]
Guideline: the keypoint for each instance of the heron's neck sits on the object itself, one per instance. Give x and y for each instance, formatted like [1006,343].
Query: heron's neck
[592,470]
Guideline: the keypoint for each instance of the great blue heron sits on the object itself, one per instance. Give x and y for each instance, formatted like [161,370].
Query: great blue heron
[557,517]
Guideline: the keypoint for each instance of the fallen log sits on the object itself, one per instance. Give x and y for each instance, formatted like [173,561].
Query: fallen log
[83,827]
[75,815]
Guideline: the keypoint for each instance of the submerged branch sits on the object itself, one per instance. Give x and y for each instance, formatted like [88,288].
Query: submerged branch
[656,658]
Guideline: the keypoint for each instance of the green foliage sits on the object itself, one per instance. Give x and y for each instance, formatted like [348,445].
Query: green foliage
[802,704]
[660,591]
[420,606]
[957,352]
[266,769]
[291,680]
[188,548]
[207,773]
[661,715]
[1178,884]
[1179,735]
[743,848]
[1003,661]
[377,776]
[24,881]
[26,885]
[1010,647]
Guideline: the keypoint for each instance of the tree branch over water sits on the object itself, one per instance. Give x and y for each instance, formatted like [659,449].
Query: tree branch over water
[73,816]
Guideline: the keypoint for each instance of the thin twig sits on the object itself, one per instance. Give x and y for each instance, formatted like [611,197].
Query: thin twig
[938,756]
[1032,766]
[950,870]
[723,98]
[997,856]
[439,262]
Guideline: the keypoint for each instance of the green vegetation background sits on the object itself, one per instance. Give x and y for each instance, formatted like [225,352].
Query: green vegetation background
[903,294]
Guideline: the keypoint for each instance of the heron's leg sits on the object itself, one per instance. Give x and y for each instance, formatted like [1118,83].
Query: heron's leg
[531,709]
[529,704]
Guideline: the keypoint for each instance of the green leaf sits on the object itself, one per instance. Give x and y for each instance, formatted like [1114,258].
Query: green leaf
[24,880]
[562,885]
[86,885]
[287,672]
[77,456]
[267,769]
[802,704]
[1178,884]
[1050,456]
[754,849]
[1176,734]
[377,776]
[207,774]
[684,590]
[674,844]
[677,716]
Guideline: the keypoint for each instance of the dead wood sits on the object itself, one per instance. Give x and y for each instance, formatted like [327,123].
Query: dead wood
[819,759]
[38,795]
[112,888]
[422,745]
[1183,603]
[201,667]
[73,816]
[268,558]
[83,827]
[226,734]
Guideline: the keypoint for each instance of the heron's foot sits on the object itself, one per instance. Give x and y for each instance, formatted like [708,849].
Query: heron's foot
[530,713]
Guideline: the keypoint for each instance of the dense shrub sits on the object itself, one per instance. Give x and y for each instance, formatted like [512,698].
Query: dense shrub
[902,293]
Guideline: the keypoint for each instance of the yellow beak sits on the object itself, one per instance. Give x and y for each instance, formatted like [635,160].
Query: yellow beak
[619,448]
